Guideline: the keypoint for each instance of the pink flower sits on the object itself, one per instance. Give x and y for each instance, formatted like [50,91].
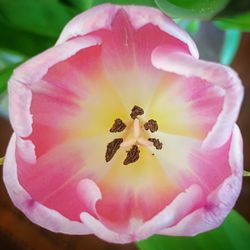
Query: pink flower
[120,131]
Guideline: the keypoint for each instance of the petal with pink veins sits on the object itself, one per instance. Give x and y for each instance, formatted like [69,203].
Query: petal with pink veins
[218,75]
[35,211]
[101,17]
[220,201]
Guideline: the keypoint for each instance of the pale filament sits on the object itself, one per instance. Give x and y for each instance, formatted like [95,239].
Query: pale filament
[136,128]
[136,137]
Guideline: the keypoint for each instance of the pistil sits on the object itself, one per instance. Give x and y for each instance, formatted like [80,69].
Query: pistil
[136,129]
[137,139]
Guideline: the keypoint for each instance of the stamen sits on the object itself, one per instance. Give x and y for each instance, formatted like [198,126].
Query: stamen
[112,148]
[151,125]
[156,142]
[132,155]
[118,126]
[136,128]
[144,142]
[136,110]
[134,140]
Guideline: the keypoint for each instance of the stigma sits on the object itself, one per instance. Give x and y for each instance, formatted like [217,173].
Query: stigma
[136,136]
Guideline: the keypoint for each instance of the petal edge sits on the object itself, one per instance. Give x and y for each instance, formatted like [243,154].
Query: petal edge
[36,212]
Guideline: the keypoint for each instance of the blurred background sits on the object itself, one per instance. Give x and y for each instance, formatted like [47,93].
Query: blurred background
[29,27]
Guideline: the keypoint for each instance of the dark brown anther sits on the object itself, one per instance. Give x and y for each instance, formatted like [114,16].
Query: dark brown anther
[151,125]
[112,148]
[156,142]
[118,126]
[136,110]
[132,155]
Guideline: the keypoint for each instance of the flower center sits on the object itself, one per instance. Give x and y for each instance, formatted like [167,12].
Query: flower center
[136,136]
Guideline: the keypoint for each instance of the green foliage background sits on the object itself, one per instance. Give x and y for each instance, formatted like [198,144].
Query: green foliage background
[233,234]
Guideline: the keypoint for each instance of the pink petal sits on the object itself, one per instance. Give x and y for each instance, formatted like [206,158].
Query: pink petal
[66,102]
[221,76]
[220,202]
[31,72]
[210,167]
[89,194]
[100,230]
[94,19]
[66,169]
[27,150]
[177,98]
[185,162]
[19,105]
[179,207]
[101,17]
[58,177]
[125,57]
[35,68]
[35,211]
[52,181]
[52,110]
[182,205]
[126,191]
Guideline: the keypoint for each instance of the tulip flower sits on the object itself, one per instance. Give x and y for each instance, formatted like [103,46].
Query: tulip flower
[122,132]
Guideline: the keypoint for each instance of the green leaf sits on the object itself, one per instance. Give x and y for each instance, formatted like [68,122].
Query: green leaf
[26,43]
[124,2]
[204,9]
[241,22]
[80,5]
[42,17]
[233,234]
[191,26]
[230,46]
[8,57]
[4,77]
[8,61]
[235,8]
[4,105]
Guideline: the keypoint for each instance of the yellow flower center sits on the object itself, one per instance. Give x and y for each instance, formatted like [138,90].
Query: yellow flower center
[135,136]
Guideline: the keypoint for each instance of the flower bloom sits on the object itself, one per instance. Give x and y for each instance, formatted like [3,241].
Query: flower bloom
[120,131]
